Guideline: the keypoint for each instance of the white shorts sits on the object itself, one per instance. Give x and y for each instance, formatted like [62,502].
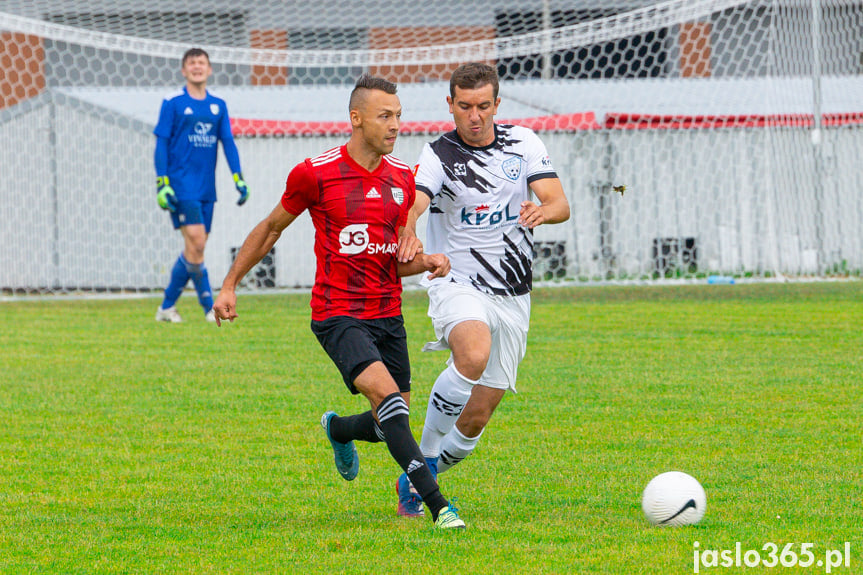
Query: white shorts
[507,317]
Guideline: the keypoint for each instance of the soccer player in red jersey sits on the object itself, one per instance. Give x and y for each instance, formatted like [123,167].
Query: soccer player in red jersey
[358,197]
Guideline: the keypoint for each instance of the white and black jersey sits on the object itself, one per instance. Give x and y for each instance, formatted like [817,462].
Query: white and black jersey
[476,195]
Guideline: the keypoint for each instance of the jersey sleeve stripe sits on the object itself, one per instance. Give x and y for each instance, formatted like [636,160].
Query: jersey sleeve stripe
[425,190]
[540,176]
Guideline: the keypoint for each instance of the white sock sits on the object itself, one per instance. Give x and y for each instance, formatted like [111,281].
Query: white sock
[448,397]
[455,447]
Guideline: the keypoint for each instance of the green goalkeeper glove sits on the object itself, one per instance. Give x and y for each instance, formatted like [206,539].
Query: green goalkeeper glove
[242,188]
[165,196]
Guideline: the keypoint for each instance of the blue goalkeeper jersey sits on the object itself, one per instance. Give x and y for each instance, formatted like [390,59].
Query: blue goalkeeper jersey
[192,129]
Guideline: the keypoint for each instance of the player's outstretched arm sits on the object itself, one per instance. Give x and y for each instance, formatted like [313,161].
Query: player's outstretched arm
[437,264]
[258,243]
[554,207]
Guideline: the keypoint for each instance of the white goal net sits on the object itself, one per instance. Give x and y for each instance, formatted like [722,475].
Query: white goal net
[736,127]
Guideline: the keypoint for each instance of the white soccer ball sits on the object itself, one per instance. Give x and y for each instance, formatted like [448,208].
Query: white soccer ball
[673,498]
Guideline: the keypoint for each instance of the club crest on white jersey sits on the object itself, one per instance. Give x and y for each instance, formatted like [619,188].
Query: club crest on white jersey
[511,167]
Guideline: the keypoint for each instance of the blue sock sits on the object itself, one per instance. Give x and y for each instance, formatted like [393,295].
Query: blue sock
[201,279]
[179,279]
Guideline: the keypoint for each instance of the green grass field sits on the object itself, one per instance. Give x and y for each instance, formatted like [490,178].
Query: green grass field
[128,446]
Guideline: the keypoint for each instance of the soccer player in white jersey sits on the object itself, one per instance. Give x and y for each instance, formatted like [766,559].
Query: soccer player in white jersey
[480,181]
[191,124]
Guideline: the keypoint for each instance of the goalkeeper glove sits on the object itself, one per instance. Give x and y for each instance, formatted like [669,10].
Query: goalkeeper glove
[165,196]
[242,188]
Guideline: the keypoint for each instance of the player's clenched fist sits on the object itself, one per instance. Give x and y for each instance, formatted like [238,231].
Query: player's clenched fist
[437,264]
[225,306]
[530,215]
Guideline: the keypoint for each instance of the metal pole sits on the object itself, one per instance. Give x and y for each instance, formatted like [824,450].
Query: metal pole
[546,39]
[816,135]
[55,200]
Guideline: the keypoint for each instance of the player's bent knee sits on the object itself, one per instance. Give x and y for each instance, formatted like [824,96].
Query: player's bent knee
[471,363]
[471,370]
[375,383]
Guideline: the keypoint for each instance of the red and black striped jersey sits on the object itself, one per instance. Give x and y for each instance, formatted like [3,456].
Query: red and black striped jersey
[357,215]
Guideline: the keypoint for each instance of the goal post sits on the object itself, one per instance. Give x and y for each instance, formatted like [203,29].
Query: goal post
[736,128]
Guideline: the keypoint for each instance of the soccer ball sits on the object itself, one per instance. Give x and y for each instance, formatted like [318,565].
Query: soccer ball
[673,498]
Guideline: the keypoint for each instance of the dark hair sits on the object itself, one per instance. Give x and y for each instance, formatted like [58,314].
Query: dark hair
[369,82]
[194,53]
[474,75]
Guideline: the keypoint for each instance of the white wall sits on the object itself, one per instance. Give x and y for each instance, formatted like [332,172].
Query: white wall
[78,209]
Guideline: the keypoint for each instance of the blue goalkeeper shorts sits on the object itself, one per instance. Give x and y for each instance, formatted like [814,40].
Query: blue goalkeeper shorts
[191,212]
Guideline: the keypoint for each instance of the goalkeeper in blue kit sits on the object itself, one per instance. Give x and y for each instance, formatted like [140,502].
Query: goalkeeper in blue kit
[191,124]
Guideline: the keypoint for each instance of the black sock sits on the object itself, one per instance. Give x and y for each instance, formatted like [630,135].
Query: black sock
[361,426]
[393,414]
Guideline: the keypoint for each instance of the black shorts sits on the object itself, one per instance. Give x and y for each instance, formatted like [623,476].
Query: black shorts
[354,344]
